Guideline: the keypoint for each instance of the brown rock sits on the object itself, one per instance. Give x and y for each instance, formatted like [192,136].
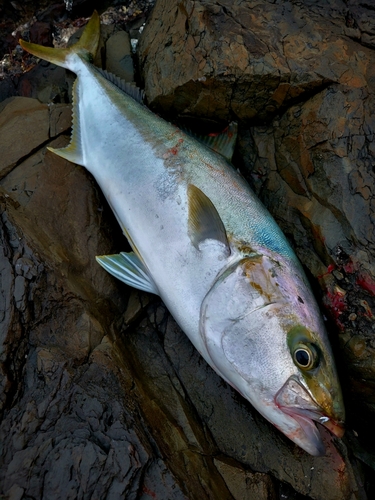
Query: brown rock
[245,60]
[24,126]
[60,119]
[119,59]
[245,485]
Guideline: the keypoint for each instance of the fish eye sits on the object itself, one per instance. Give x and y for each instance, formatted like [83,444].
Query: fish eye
[305,357]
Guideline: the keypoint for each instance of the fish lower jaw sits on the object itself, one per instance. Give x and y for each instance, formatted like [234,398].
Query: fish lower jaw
[307,435]
[300,429]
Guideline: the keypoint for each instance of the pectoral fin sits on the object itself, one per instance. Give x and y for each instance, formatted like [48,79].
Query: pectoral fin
[128,268]
[204,221]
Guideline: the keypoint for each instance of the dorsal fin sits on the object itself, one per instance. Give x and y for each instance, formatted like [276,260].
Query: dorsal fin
[204,221]
[129,88]
[223,142]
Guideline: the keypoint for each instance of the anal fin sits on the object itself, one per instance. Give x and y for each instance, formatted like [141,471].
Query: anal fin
[73,152]
[128,268]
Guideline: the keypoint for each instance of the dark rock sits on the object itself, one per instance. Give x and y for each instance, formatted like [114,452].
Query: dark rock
[248,60]
[7,89]
[45,82]
[41,33]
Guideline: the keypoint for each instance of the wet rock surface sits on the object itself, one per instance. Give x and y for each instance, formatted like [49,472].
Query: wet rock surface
[102,395]
[249,60]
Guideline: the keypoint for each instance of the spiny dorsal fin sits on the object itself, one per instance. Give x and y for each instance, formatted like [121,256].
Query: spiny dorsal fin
[222,143]
[204,221]
[73,152]
[128,268]
[129,88]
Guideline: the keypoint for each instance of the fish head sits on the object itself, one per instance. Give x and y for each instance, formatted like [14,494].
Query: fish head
[265,336]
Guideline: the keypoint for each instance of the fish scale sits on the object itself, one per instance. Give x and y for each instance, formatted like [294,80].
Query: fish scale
[204,243]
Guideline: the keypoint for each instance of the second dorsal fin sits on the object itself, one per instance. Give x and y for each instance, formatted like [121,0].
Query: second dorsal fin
[223,142]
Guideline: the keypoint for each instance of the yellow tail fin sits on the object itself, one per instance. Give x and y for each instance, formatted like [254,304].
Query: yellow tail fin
[86,46]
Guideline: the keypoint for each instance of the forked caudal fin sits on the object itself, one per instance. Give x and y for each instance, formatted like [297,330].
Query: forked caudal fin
[86,46]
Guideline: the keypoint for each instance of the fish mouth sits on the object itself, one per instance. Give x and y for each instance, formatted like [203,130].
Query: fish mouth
[295,401]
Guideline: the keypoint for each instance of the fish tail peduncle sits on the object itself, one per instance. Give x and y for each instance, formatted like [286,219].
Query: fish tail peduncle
[86,46]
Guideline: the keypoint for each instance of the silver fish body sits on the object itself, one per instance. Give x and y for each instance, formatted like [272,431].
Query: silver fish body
[209,248]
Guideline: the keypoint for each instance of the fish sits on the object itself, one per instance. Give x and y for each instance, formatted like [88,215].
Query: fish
[205,244]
